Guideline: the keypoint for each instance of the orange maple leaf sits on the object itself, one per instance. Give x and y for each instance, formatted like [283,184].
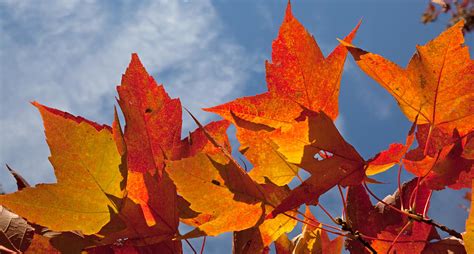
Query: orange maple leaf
[437,84]
[298,77]
[86,158]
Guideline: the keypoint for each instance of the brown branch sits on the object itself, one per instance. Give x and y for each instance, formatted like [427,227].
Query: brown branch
[418,217]
[355,234]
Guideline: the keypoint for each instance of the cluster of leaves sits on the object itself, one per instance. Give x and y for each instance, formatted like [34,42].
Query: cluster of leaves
[459,10]
[127,191]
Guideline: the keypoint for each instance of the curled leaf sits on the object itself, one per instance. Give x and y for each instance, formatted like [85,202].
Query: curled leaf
[15,232]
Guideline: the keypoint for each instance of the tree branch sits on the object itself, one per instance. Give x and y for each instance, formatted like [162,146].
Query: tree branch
[418,217]
[355,234]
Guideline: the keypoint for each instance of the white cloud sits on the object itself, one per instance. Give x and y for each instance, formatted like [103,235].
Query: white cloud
[379,106]
[71,54]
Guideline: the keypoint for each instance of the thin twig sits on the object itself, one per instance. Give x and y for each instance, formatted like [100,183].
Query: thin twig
[418,183]
[356,235]
[203,244]
[420,218]
[400,185]
[327,213]
[414,194]
[344,207]
[425,210]
[191,246]
[314,225]
[417,217]
[381,201]
[450,231]
[311,219]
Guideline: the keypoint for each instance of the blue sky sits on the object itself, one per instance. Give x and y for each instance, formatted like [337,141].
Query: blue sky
[71,54]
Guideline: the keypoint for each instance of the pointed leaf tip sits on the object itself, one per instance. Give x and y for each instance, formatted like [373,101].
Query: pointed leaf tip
[437,65]
[353,33]
[355,51]
[135,57]
[20,181]
[288,11]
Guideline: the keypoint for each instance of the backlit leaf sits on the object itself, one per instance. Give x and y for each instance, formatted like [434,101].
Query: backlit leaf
[85,157]
[340,163]
[437,84]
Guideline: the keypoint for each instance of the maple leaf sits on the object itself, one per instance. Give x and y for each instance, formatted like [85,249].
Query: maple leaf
[385,159]
[256,146]
[85,157]
[436,88]
[259,237]
[197,142]
[340,162]
[146,105]
[218,188]
[440,162]
[298,77]
[436,85]
[392,217]
[300,71]
[152,133]
[153,136]
[214,185]
[313,239]
[283,245]
[452,170]
[265,110]
[383,222]
[361,216]
[414,241]
[130,181]
[151,210]
[45,240]
[418,234]
[15,233]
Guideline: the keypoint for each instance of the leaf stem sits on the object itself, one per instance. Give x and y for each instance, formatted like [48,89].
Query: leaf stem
[308,218]
[344,207]
[381,201]
[203,244]
[417,217]
[398,236]
[314,225]
[400,185]
[421,218]
[425,210]
[327,213]
[355,234]
[191,246]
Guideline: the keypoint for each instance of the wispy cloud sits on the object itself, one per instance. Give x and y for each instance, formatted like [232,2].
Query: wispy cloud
[70,55]
[370,98]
